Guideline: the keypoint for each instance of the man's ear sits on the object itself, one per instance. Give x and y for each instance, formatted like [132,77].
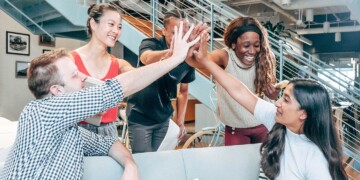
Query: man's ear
[56,90]
[163,31]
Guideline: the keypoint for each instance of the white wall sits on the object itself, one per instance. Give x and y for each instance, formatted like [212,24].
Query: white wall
[14,93]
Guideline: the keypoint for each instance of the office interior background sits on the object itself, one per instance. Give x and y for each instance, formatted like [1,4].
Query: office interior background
[319,39]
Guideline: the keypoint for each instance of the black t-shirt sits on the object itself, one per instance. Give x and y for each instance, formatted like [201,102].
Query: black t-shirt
[152,105]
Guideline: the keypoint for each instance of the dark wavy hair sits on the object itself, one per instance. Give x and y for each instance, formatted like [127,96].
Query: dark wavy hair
[96,11]
[318,127]
[265,61]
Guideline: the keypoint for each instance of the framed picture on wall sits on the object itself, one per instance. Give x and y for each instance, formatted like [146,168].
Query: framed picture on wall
[46,50]
[45,40]
[21,69]
[17,43]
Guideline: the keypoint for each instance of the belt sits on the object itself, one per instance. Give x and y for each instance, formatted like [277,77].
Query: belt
[232,129]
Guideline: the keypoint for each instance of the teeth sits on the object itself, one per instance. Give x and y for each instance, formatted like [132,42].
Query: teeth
[249,58]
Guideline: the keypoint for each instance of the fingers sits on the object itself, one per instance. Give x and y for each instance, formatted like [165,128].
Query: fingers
[194,41]
[180,32]
[188,33]
[175,37]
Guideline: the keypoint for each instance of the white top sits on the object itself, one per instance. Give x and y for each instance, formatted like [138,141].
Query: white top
[301,158]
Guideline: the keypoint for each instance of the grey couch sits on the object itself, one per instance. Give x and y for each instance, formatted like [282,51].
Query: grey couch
[216,163]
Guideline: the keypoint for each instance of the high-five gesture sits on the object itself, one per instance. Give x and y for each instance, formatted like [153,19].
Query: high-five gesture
[180,44]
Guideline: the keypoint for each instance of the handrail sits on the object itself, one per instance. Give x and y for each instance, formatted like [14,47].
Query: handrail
[28,18]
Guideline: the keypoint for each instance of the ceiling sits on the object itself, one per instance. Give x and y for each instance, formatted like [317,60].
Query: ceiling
[343,16]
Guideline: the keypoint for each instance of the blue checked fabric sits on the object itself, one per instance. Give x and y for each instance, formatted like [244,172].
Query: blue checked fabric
[49,144]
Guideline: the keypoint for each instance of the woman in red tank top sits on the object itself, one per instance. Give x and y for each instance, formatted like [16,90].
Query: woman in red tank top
[92,59]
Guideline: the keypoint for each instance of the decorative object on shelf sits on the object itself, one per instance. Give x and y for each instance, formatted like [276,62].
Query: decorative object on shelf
[17,43]
[21,68]
[46,50]
[45,40]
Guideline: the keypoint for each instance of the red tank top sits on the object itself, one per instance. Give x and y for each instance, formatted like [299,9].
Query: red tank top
[111,114]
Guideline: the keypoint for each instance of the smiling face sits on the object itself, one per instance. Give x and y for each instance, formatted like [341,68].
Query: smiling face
[72,80]
[247,47]
[288,111]
[108,29]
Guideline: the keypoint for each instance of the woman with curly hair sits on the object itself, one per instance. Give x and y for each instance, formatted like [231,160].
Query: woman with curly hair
[248,58]
[302,142]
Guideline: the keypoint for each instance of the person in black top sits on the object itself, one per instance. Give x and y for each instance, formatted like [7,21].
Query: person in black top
[149,111]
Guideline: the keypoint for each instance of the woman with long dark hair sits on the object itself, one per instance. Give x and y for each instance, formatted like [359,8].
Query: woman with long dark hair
[302,142]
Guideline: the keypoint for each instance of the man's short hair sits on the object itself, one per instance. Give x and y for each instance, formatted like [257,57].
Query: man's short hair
[176,13]
[43,73]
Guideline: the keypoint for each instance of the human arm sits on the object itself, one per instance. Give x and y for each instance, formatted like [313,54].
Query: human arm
[124,66]
[181,105]
[151,56]
[97,145]
[130,80]
[234,87]
[120,154]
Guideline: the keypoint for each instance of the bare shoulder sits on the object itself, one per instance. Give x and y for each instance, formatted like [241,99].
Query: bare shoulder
[124,65]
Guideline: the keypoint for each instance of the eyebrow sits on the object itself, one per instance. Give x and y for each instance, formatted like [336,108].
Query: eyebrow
[286,95]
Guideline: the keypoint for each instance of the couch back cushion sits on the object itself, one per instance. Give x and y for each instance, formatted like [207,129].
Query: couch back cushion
[162,165]
[240,162]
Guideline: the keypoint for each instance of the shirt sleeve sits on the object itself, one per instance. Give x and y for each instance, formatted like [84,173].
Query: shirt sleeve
[265,112]
[148,44]
[94,144]
[190,76]
[69,109]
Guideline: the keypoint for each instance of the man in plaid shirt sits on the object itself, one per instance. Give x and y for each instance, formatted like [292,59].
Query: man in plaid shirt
[49,144]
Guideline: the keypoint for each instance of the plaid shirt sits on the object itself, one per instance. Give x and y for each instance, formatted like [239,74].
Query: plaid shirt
[49,144]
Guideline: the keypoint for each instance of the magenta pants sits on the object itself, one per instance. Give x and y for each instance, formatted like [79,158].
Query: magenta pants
[237,136]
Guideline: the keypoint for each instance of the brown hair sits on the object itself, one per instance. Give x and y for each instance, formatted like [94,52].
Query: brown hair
[96,11]
[43,73]
[265,61]
[176,13]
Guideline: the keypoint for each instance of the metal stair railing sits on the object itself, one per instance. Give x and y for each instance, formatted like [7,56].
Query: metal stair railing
[29,19]
[291,62]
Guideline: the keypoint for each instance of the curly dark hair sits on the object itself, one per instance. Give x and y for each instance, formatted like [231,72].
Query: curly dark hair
[318,127]
[265,61]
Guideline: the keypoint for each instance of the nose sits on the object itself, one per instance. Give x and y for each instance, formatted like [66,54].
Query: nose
[83,77]
[278,103]
[252,50]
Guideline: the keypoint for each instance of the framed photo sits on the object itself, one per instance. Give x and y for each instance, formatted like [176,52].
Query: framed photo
[46,50]
[21,68]
[17,43]
[45,40]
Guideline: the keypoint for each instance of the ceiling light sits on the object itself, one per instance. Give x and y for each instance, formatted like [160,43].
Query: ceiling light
[349,64]
[285,2]
[310,15]
[337,37]
[304,40]
[326,26]
[331,64]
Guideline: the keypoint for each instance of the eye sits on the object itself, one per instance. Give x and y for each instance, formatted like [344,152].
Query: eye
[111,24]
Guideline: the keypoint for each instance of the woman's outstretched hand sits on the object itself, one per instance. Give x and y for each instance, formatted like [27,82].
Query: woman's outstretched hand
[180,46]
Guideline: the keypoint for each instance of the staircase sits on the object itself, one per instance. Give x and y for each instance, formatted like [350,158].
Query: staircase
[67,18]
